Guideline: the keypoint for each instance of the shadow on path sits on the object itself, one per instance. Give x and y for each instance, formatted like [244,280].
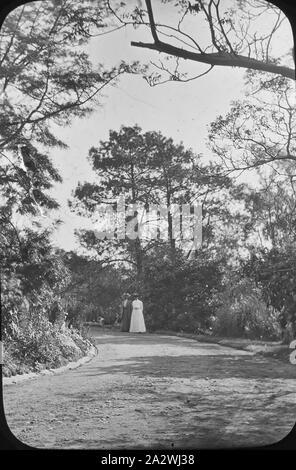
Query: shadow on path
[197,367]
[156,391]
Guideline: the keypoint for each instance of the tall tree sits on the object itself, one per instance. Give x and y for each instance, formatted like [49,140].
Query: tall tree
[148,169]
[46,72]
[121,166]
[271,220]
[46,79]
[260,131]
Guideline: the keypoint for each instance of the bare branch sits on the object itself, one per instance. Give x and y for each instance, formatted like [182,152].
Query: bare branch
[227,53]
[219,59]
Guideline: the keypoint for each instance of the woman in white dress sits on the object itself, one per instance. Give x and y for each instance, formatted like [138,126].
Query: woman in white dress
[137,324]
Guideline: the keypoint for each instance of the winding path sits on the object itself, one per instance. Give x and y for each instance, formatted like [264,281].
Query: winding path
[156,391]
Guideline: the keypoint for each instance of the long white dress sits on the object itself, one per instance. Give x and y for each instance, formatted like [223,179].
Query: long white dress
[137,319]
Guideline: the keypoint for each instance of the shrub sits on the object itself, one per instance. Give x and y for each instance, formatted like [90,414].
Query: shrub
[178,293]
[11,302]
[243,313]
[275,271]
[37,344]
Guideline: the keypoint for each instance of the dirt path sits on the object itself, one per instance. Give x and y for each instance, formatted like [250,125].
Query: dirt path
[156,391]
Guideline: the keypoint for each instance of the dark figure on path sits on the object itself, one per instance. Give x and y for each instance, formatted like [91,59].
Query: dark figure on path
[126,313]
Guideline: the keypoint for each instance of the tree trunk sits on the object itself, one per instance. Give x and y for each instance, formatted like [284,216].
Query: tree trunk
[137,241]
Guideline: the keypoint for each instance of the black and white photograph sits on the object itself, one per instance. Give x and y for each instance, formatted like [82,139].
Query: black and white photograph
[148,225]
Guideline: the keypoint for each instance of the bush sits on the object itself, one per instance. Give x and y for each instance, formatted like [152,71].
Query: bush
[11,302]
[178,292]
[243,313]
[37,344]
[275,271]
